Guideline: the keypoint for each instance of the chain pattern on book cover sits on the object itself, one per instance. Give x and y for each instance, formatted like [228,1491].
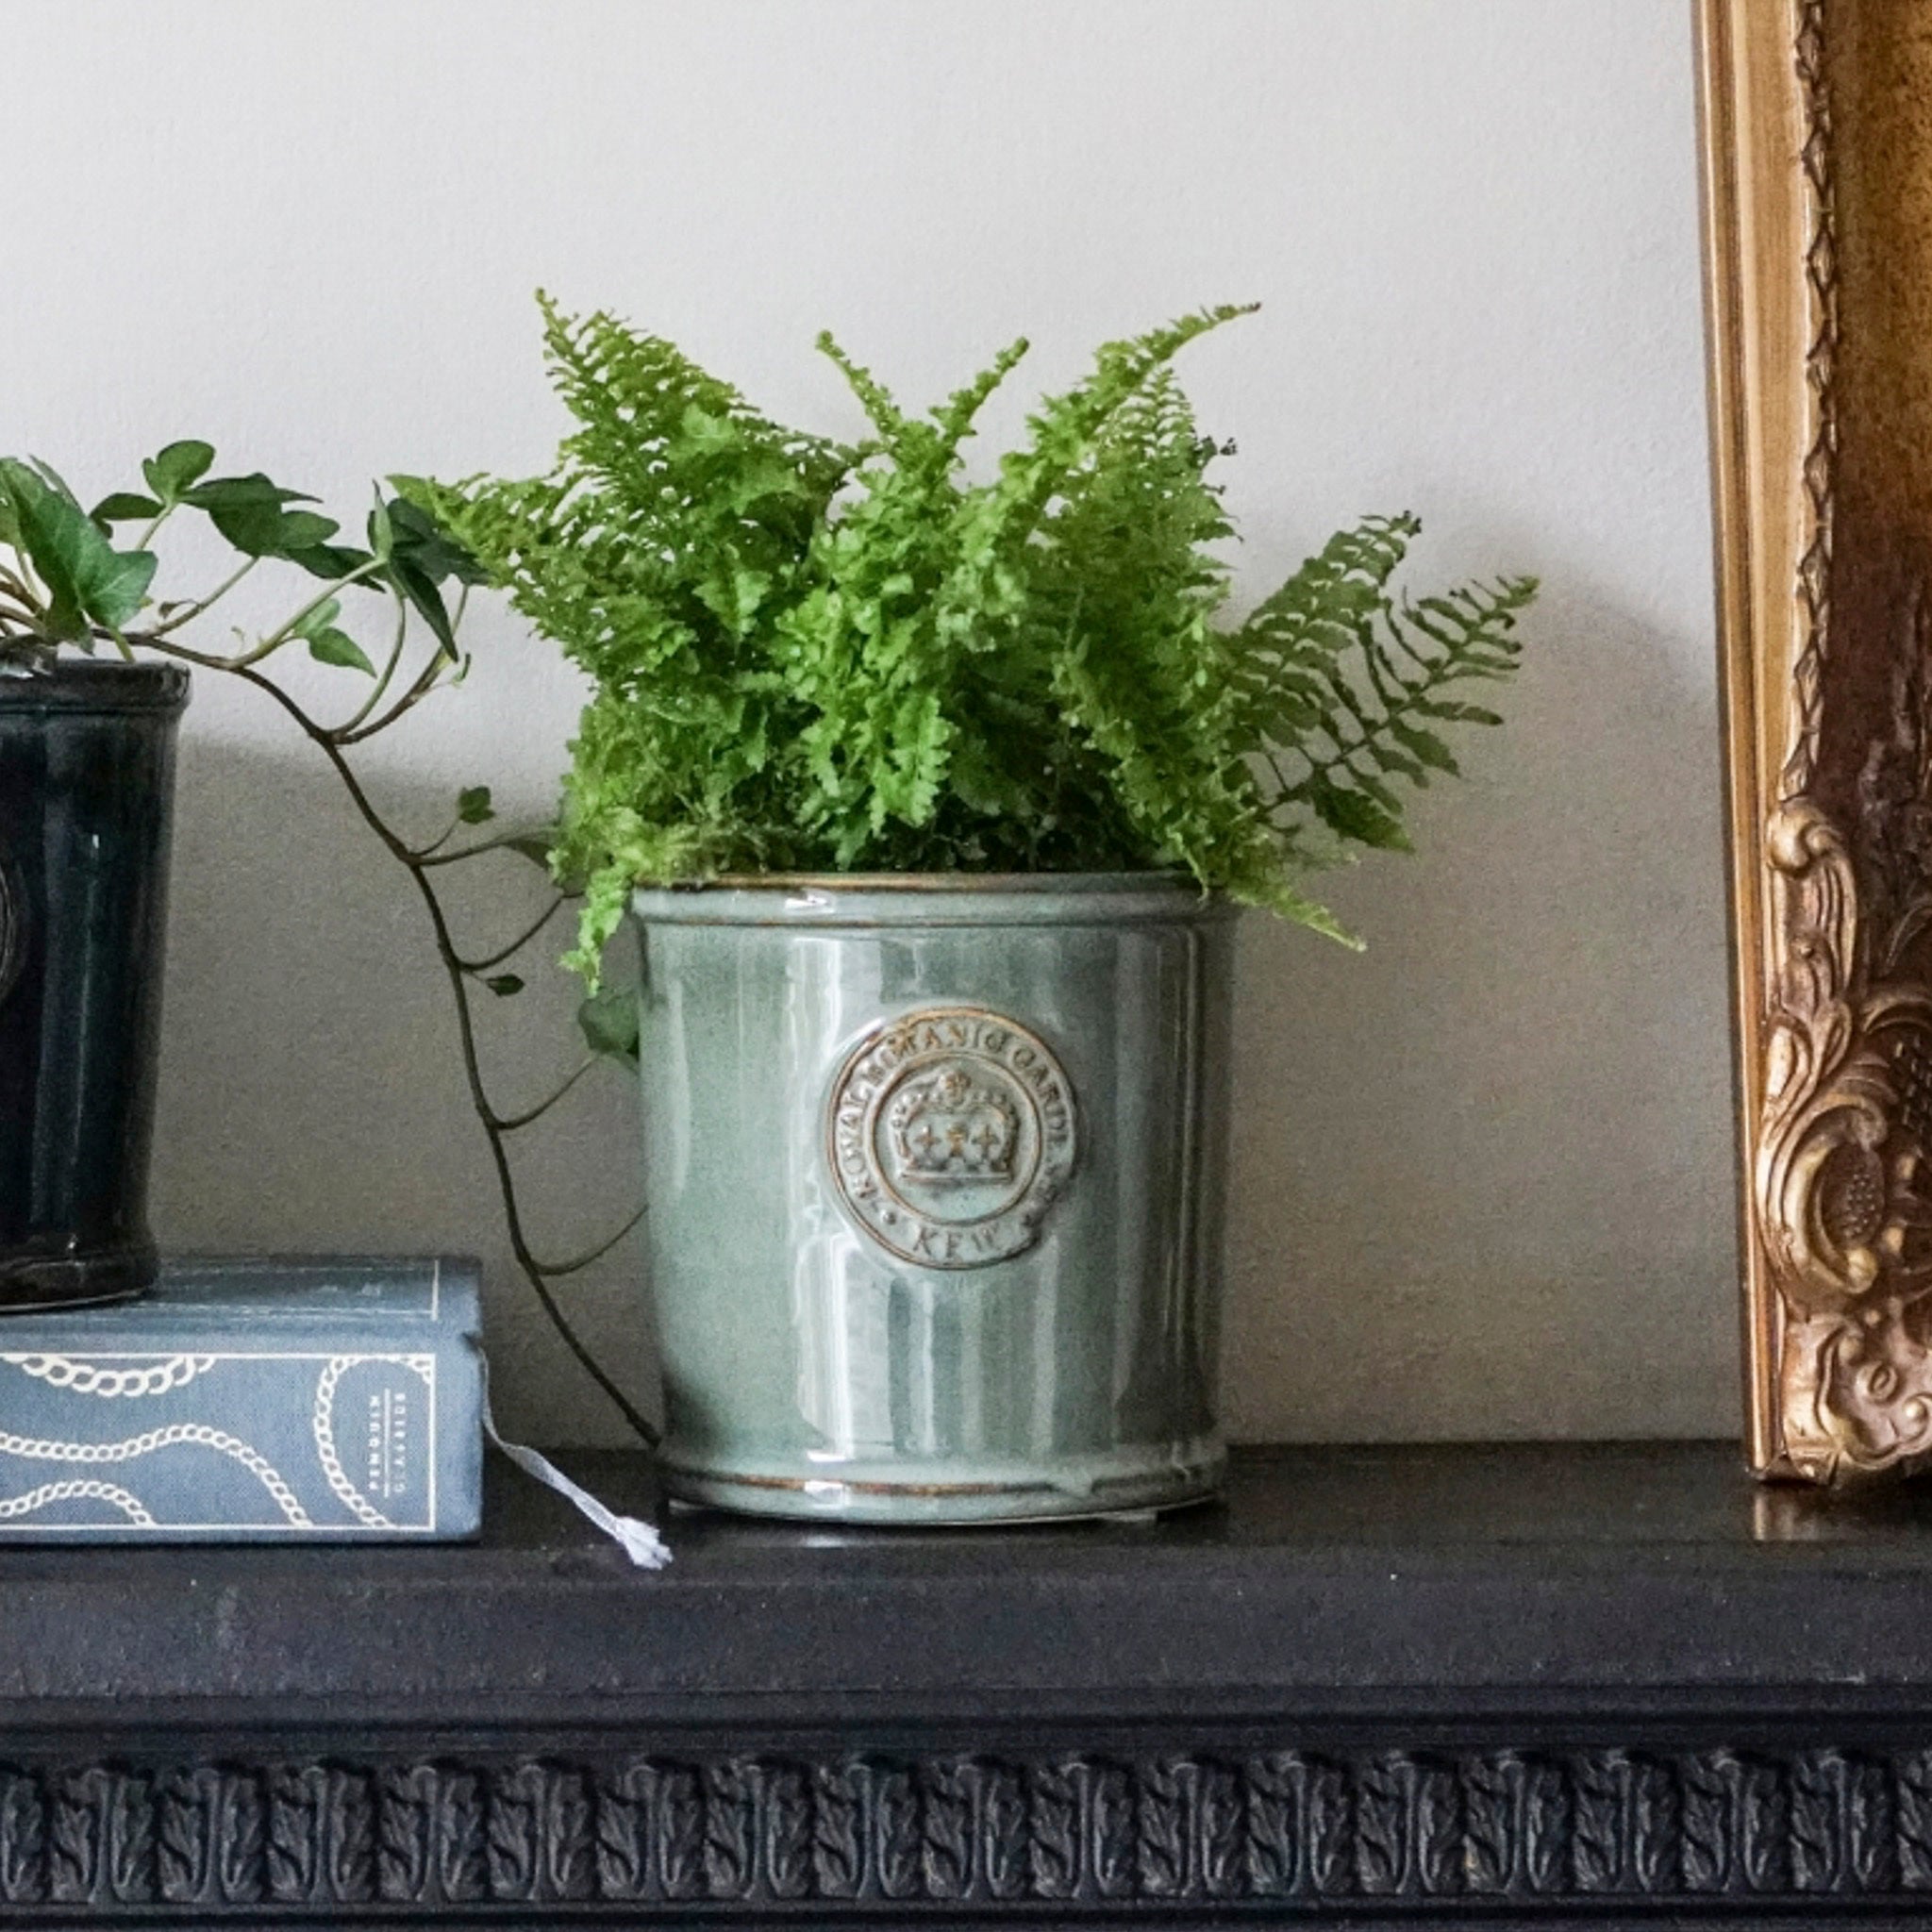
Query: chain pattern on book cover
[302,1398]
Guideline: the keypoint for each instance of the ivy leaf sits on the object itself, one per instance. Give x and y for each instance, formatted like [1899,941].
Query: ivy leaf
[331,561]
[608,1020]
[504,984]
[424,598]
[332,646]
[421,556]
[317,618]
[88,581]
[266,529]
[124,506]
[251,513]
[302,529]
[382,530]
[176,469]
[395,546]
[253,529]
[430,548]
[55,481]
[113,585]
[474,806]
[235,492]
[326,644]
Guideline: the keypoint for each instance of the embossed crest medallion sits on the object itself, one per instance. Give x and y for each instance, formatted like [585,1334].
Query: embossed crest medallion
[952,1131]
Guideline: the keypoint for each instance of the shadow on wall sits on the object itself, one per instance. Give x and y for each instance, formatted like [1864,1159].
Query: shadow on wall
[1483,1172]
[312,1093]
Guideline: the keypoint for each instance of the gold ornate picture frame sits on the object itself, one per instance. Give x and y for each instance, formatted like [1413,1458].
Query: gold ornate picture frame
[1818,197]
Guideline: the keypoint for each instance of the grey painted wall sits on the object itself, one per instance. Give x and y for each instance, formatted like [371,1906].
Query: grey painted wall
[1482,1182]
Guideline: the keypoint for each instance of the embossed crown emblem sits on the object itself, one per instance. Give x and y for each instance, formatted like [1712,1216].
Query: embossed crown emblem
[949,1128]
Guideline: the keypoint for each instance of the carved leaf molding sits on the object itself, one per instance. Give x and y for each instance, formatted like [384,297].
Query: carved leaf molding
[902,1837]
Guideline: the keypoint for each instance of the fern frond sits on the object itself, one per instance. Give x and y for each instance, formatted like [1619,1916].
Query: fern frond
[818,657]
[1336,673]
[1063,429]
[874,398]
[630,390]
[954,419]
[999,521]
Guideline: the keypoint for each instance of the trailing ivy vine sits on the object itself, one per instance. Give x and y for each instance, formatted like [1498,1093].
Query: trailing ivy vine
[64,582]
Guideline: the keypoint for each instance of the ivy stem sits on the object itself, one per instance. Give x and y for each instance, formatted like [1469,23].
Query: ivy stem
[433,855]
[155,523]
[424,684]
[517,944]
[389,669]
[578,1262]
[192,611]
[281,635]
[510,1123]
[538,1273]
[427,852]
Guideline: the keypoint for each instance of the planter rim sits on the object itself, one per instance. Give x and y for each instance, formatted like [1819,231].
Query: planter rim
[1041,898]
[81,684]
[938,882]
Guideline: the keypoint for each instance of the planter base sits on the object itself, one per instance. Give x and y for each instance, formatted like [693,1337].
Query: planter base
[1115,1485]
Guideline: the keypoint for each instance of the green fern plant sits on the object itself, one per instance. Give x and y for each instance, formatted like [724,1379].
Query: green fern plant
[814,656]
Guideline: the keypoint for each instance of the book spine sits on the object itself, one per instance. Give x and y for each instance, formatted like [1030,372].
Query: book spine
[328,1288]
[273,1430]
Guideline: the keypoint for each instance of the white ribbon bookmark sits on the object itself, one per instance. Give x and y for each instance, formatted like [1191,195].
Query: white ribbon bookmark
[638,1540]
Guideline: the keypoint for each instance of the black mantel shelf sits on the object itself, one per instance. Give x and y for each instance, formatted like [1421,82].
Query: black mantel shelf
[1567,1685]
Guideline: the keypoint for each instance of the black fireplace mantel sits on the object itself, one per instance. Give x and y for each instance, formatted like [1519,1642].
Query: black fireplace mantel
[1575,1685]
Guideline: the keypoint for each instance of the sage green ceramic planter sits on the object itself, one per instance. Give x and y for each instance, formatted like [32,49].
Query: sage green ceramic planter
[933,1180]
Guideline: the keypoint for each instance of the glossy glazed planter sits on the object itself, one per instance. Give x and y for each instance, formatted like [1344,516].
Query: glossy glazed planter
[87,770]
[933,1183]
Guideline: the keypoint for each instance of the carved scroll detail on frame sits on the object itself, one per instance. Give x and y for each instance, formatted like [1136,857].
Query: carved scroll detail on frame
[1845,1125]
[1824,562]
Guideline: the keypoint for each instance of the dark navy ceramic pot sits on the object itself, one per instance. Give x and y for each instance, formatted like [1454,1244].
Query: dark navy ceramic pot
[87,778]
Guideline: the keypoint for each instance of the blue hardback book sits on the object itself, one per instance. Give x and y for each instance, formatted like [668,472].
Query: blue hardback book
[326,1399]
